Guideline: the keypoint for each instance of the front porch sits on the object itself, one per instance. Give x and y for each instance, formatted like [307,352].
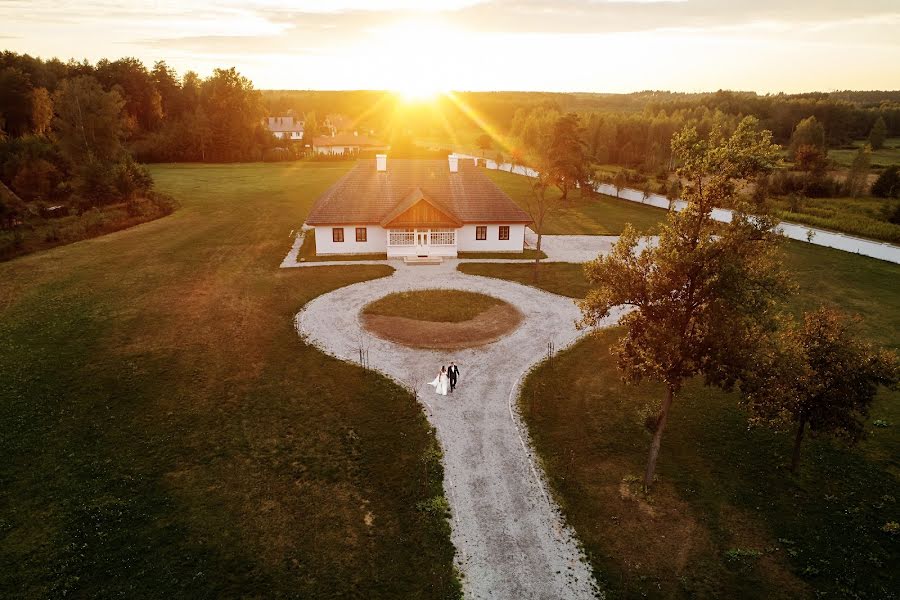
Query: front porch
[421,242]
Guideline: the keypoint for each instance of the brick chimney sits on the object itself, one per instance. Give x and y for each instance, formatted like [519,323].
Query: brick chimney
[381,162]
[453,159]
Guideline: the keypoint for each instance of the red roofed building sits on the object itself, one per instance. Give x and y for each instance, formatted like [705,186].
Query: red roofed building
[407,207]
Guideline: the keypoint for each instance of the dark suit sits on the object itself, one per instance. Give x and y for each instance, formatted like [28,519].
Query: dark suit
[453,374]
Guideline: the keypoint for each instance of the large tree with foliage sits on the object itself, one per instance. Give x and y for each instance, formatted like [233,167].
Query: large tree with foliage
[888,183]
[15,102]
[878,134]
[88,123]
[857,182]
[817,376]
[702,297]
[566,158]
[808,132]
[235,111]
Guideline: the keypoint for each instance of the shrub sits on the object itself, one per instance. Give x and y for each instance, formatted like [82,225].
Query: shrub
[888,183]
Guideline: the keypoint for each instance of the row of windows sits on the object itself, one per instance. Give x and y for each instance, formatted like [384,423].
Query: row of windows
[481,232]
[337,233]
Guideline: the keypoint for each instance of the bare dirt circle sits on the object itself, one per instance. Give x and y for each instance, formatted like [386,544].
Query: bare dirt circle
[461,319]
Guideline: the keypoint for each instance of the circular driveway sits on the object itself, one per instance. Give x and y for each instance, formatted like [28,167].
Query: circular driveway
[508,533]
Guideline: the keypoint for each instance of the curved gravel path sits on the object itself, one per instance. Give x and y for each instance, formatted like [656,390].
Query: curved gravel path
[510,539]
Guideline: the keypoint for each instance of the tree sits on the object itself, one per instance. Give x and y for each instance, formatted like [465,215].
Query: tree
[15,102]
[165,80]
[811,159]
[619,181]
[888,183]
[88,124]
[809,132]
[232,104]
[856,183]
[817,375]
[703,296]
[540,205]
[878,134]
[565,154]
[673,192]
[515,159]
[135,84]
[484,142]
[41,110]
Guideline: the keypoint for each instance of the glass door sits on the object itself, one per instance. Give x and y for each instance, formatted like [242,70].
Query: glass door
[422,245]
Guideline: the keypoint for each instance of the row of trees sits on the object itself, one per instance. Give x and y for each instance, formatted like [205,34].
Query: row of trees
[163,117]
[708,300]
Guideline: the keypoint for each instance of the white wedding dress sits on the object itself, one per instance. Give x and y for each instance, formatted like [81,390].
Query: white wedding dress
[441,384]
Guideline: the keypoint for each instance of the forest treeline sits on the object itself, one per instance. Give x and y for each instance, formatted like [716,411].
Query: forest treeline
[632,130]
[72,136]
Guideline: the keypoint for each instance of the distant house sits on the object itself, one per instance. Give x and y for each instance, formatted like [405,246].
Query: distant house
[346,143]
[416,208]
[285,128]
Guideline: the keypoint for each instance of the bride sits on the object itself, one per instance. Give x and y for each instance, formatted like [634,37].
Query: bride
[441,383]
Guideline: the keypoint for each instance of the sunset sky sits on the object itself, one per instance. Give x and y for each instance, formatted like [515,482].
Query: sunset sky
[557,45]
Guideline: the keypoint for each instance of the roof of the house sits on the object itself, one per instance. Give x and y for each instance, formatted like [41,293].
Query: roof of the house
[346,139]
[280,124]
[365,195]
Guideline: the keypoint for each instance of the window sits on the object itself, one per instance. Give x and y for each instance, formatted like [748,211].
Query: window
[337,234]
[504,232]
[481,232]
[360,234]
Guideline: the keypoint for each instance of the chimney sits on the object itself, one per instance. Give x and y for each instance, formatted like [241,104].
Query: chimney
[381,162]
[453,159]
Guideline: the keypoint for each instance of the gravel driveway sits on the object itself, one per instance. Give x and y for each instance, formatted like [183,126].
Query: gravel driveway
[509,536]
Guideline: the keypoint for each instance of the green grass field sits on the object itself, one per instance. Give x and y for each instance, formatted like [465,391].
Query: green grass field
[863,217]
[726,519]
[881,158]
[165,432]
[600,215]
[440,306]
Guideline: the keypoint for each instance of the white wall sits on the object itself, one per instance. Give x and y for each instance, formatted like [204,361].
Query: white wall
[335,149]
[376,241]
[466,242]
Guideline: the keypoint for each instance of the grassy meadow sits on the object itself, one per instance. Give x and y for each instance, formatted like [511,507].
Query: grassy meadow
[884,157]
[600,215]
[726,519]
[165,432]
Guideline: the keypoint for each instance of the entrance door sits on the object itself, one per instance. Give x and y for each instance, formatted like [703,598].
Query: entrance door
[422,245]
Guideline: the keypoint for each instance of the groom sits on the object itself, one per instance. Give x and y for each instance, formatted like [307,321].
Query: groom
[453,374]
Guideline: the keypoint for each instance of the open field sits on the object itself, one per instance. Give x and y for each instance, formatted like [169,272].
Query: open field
[602,215]
[165,433]
[726,519]
[881,158]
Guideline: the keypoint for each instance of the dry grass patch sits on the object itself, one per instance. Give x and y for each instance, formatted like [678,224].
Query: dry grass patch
[440,319]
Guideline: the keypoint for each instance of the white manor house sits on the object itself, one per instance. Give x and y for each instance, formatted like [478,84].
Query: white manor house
[416,208]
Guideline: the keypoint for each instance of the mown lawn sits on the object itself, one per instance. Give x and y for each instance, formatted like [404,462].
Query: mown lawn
[726,519]
[439,306]
[165,432]
[602,215]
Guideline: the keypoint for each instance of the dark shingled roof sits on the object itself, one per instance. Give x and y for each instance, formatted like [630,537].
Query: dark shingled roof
[365,195]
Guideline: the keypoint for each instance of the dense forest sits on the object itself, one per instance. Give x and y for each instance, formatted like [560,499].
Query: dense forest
[72,136]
